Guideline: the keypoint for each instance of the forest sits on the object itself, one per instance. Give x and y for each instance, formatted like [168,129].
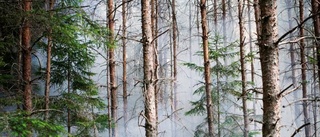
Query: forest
[159,68]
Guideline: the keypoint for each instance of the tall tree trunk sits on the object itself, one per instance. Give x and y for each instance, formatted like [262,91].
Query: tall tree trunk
[154,29]
[26,61]
[112,67]
[175,46]
[50,4]
[303,71]
[69,91]
[148,70]
[316,25]
[269,58]
[124,64]
[206,63]
[297,110]
[316,22]
[243,70]
[251,61]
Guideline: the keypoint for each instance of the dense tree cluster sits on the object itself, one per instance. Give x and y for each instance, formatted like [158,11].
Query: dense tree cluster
[49,49]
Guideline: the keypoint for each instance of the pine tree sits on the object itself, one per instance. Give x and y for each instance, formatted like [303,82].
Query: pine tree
[148,71]
[269,58]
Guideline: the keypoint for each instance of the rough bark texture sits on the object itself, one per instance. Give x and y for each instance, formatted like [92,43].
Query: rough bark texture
[26,62]
[304,73]
[112,67]
[269,58]
[206,63]
[148,70]
[243,70]
[124,64]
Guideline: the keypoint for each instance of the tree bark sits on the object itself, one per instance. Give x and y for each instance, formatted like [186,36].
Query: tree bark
[112,67]
[252,61]
[303,72]
[26,61]
[316,22]
[154,29]
[124,64]
[269,58]
[175,46]
[206,63]
[316,25]
[148,70]
[297,110]
[50,4]
[243,70]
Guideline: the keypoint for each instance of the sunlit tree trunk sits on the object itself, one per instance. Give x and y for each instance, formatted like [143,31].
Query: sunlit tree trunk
[148,70]
[303,71]
[124,64]
[26,59]
[206,63]
[243,70]
[112,67]
[50,4]
[269,58]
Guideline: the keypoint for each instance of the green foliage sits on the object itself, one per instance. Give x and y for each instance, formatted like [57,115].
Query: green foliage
[17,124]
[74,35]
[231,88]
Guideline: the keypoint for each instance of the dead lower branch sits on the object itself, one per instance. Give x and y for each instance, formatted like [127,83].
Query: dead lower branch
[298,129]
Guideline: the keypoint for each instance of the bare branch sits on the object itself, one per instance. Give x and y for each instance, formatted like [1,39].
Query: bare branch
[293,29]
[285,90]
[298,129]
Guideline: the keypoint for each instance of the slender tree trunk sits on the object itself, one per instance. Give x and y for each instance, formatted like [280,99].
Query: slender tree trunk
[175,46]
[297,110]
[50,4]
[69,91]
[243,70]
[26,61]
[154,29]
[206,63]
[303,72]
[316,25]
[124,64]
[148,70]
[252,61]
[256,8]
[269,58]
[112,67]
[316,22]
[315,95]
